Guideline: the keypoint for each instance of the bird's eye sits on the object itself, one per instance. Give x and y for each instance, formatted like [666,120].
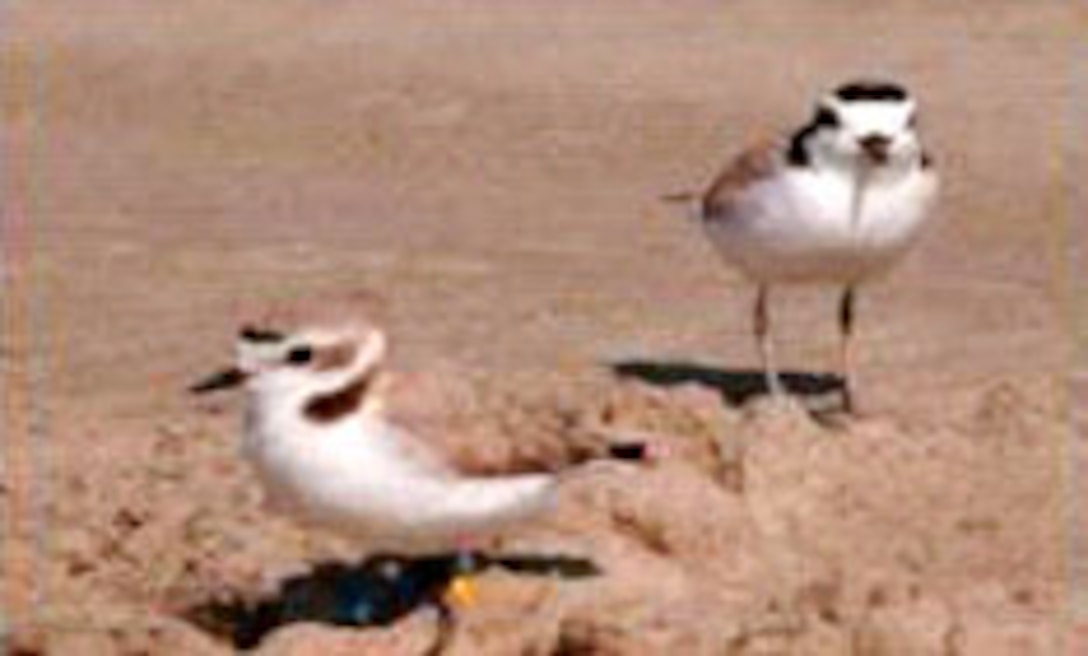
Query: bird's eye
[300,355]
[912,120]
[826,118]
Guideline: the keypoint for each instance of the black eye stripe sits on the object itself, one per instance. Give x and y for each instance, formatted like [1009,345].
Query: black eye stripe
[826,117]
[300,355]
[326,408]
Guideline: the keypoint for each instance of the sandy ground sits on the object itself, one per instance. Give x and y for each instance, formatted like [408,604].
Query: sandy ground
[485,178]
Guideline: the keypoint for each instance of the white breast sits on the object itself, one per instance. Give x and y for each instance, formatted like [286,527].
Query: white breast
[808,226]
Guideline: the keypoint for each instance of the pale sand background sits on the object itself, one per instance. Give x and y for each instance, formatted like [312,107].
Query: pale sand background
[492,170]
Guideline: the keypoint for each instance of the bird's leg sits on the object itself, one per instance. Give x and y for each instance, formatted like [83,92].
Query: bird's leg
[846,353]
[762,326]
[461,591]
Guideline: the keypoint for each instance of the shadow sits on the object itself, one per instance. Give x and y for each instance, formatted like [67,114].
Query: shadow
[373,592]
[736,386]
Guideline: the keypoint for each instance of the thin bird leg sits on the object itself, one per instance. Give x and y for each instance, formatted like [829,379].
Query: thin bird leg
[846,354]
[762,325]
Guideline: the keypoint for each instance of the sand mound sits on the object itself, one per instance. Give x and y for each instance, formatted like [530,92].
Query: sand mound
[760,531]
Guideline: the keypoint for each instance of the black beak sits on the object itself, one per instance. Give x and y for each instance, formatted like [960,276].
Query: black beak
[876,148]
[225,379]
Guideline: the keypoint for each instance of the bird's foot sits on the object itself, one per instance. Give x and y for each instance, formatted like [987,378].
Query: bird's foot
[851,406]
[775,388]
[461,592]
[779,398]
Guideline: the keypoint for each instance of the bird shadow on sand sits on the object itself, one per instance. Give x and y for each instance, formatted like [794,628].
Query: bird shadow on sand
[376,591]
[736,386]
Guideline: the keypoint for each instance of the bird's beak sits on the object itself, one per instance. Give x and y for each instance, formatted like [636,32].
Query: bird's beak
[221,380]
[876,149]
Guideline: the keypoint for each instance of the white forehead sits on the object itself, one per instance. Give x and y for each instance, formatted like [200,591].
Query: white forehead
[872,116]
[326,335]
[371,339]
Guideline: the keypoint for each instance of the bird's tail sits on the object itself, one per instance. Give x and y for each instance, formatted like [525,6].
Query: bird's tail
[441,509]
[618,452]
[628,452]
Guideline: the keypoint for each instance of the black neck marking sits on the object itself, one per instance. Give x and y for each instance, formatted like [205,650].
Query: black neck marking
[797,153]
[335,405]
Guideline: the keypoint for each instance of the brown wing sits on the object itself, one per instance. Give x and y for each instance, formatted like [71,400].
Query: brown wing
[753,164]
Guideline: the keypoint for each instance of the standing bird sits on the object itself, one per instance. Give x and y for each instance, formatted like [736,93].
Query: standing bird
[326,455]
[837,202]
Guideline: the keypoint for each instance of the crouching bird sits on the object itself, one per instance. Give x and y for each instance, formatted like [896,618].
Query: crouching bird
[327,456]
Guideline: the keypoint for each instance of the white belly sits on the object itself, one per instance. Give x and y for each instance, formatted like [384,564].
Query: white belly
[809,227]
[368,488]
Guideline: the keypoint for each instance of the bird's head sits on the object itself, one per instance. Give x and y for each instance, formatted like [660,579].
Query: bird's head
[865,124]
[331,370]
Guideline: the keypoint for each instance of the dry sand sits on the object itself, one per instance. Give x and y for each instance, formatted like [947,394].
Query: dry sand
[490,172]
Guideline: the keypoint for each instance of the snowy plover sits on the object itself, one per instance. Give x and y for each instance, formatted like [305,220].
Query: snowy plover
[327,456]
[838,201]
